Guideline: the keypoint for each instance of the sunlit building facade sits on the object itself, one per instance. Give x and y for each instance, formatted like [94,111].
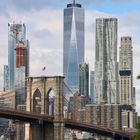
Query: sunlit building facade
[73,44]
[106,66]
[127,92]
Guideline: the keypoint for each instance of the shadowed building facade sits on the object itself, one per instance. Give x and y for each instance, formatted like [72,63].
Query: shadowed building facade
[92,86]
[84,80]
[73,44]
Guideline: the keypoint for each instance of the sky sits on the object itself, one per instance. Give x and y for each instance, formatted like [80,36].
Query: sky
[44,23]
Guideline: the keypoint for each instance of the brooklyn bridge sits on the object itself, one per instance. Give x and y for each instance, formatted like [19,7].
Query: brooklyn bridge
[40,124]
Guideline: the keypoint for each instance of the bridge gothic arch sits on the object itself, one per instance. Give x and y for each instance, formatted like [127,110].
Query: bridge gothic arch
[37,101]
[41,88]
[49,101]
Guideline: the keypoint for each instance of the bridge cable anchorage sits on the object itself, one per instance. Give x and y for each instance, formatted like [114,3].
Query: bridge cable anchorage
[72,108]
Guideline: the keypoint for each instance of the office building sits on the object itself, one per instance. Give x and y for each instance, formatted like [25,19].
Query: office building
[106,73]
[127,92]
[84,79]
[73,44]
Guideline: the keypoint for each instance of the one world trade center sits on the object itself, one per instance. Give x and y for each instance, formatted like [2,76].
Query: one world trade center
[73,43]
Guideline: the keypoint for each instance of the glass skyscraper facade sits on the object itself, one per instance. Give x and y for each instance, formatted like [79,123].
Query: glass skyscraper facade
[73,44]
[84,80]
[16,33]
[106,65]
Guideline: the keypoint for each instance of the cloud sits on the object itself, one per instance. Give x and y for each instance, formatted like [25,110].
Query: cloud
[26,5]
[41,33]
[29,5]
[51,59]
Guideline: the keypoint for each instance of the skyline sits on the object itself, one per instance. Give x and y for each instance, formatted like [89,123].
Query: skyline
[42,28]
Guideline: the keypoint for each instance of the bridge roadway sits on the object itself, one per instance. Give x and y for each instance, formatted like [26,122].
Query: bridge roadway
[34,117]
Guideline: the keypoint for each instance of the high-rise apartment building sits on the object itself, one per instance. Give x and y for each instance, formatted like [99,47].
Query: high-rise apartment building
[73,44]
[84,79]
[106,75]
[105,115]
[16,33]
[127,95]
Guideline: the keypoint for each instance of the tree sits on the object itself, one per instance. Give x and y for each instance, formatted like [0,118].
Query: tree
[137,134]
[138,77]
[127,107]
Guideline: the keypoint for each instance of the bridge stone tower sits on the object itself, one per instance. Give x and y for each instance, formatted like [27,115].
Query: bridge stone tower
[38,90]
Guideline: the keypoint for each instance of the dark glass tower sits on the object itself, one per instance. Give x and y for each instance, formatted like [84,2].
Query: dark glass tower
[73,44]
[84,79]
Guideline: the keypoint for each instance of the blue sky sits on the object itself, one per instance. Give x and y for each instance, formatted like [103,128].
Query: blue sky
[44,22]
[116,8]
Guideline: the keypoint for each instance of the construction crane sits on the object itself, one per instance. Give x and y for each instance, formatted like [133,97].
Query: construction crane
[15,32]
